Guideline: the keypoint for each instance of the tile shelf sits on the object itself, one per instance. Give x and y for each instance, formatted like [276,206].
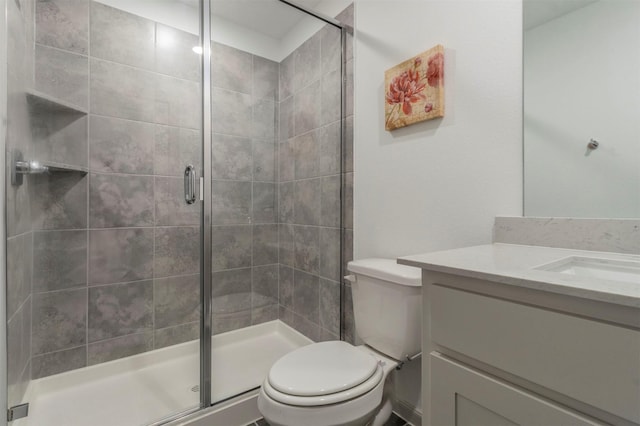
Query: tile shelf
[42,102]
[20,167]
[54,167]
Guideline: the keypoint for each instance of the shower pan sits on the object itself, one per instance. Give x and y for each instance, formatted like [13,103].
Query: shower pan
[174,215]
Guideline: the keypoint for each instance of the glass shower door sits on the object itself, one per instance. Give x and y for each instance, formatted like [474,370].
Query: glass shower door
[276,170]
[104,152]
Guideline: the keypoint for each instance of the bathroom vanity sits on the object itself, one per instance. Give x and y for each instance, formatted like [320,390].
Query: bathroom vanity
[529,335]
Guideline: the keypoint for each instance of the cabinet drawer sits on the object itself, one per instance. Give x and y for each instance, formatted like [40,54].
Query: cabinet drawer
[592,362]
[462,396]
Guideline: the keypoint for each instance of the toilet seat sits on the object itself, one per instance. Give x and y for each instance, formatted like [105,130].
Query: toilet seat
[334,398]
[321,374]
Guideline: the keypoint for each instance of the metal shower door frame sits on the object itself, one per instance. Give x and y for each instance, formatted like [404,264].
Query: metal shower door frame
[206,251]
[206,207]
[4,384]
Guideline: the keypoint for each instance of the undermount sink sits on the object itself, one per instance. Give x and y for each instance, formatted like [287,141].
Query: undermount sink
[606,269]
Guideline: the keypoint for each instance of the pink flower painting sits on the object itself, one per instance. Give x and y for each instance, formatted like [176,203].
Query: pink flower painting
[435,69]
[405,90]
[415,89]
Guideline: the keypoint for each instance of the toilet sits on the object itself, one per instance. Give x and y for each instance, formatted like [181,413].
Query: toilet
[335,383]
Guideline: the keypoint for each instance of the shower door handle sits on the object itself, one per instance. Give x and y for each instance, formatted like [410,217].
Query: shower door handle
[190,184]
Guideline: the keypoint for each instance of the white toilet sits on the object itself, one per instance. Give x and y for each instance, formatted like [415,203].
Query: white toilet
[335,383]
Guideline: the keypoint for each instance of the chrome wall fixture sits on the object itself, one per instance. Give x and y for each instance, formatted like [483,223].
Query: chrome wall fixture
[21,167]
[190,184]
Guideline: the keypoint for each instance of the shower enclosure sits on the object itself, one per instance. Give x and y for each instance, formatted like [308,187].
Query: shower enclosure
[177,209]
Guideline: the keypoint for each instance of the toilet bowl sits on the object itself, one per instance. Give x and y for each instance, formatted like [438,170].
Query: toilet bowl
[337,384]
[326,384]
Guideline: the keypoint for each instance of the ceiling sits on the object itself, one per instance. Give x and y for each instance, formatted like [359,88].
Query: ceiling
[268,17]
[538,12]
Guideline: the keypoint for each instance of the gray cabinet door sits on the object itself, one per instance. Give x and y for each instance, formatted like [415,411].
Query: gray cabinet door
[462,396]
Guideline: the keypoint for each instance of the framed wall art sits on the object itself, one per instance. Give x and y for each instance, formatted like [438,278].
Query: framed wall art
[415,89]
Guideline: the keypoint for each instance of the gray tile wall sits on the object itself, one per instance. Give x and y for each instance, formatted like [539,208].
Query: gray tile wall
[20,249]
[276,188]
[114,269]
[115,252]
[310,176]
[244,194]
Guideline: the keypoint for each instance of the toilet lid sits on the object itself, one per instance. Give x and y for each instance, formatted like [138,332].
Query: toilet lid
[321,369]
[333,398]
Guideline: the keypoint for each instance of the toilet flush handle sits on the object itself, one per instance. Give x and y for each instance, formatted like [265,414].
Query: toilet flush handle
[351,278]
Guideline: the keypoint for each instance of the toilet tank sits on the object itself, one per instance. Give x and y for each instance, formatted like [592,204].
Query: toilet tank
[387,305]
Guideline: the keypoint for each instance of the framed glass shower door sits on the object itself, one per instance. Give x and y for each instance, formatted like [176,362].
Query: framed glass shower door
[104,151]
[275,185]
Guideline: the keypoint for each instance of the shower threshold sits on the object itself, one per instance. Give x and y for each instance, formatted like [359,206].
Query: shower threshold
[143,388]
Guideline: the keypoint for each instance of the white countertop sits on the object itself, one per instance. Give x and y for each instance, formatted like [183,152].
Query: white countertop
[513,265]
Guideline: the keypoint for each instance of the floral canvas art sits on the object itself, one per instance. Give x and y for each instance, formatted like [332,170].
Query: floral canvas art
[415,89]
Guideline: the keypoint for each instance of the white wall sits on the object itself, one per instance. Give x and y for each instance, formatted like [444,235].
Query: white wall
[438,184]
[582,81]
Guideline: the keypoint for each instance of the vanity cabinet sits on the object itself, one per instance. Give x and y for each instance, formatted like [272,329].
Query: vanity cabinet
[501,360]
[506,340]
[463,396]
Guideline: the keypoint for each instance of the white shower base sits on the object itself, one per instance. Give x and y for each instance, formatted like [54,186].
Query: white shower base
[144,388]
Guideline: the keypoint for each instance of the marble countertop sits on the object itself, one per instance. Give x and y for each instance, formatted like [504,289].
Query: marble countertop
[514,265]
